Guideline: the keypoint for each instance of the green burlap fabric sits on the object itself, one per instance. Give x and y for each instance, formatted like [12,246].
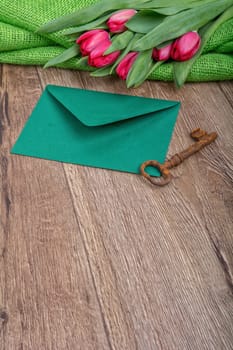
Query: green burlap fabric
[19,43]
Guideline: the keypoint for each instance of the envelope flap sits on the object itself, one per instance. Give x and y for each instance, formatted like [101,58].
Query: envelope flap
[94,108]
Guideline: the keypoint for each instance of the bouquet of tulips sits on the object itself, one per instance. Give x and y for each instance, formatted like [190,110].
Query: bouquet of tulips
[131,38]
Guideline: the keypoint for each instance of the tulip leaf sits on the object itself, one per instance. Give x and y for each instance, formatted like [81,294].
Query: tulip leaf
[185,21]
[120,41]
[144,21]
[74,37]
[102,7]
[154,67]
[126,50]
[165,43]
[168,11]
[82,63]
[172,10]
[65,56]
[88,14]
[182,69]
[172,3]
[101,72]
[88,26]
[140,69]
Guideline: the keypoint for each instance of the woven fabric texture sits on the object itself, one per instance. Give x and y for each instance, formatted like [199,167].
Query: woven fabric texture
[20,44]
[15,38]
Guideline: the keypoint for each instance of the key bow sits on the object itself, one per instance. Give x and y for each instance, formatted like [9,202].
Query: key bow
[202,139]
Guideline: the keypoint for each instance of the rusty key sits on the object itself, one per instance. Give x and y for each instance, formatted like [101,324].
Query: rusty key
[202,139]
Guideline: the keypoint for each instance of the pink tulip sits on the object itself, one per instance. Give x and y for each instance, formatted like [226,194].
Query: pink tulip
[98,59]
[89,40]
[186,46]
[116,22]
[162,54]
[125,65]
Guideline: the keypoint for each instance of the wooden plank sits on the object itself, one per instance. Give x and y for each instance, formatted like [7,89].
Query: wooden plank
[47,295]
[161,258]
[95,259]
[227,89]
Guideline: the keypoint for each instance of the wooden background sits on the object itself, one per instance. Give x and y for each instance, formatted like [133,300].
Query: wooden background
[97,259]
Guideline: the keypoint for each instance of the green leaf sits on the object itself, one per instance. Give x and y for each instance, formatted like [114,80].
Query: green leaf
[88,14]
[165,43]
[120,41]
[168,11]
[171,3]
[65,56]
[74,37]
[101,72]
[185,21]
[140,69]
[83,63]
[125,51]
[144,21]
[181,6]
[154,67]
[88,26]
[181,70]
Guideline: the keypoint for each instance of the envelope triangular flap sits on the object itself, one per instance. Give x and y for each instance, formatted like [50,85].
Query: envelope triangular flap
[94,108]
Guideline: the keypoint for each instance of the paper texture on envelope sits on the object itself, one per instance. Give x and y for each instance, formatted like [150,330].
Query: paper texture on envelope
[98,129]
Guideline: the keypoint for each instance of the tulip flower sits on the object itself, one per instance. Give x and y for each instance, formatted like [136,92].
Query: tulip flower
[89,40]
[116,22]
[162,54]
[185,46]
[125,65]
[98,59]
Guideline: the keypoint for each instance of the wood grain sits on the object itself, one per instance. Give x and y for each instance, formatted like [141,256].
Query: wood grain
[46,280]
[96,259]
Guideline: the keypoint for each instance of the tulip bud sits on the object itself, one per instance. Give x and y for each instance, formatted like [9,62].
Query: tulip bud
[89,40]
[125,65]
[98,59]
[116,22]
[162,54]
[185,46]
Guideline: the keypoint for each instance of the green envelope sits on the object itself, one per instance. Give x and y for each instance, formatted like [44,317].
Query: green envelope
[98,129]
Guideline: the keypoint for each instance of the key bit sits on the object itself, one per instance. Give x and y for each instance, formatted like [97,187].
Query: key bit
[202,139]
